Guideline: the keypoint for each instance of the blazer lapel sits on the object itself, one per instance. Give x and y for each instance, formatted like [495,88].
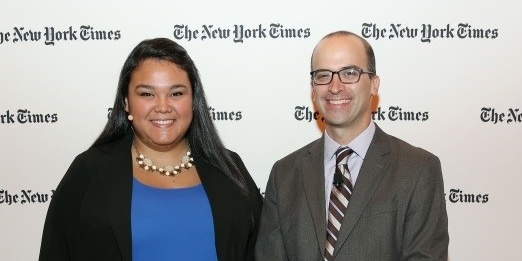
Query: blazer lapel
[372,171]
[117,171]
[218,193]
[313,178]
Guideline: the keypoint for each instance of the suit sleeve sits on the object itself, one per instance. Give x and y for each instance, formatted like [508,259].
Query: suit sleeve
[426,229]
[63,216]
[256,201]
[270,241]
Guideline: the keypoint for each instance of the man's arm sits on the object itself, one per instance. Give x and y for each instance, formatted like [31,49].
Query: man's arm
[426,228]
[269,246]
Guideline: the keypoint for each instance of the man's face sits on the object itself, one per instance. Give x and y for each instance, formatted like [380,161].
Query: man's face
[343,106]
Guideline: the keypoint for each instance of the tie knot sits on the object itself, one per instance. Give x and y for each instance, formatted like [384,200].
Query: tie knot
[342,153]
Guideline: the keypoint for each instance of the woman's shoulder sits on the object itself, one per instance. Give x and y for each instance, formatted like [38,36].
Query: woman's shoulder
[96,153]
[234,155]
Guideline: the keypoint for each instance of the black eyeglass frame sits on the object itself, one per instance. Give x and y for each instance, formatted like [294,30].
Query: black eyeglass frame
[360,70]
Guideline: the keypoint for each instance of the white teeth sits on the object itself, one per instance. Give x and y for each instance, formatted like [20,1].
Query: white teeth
[163,122]
[338,101]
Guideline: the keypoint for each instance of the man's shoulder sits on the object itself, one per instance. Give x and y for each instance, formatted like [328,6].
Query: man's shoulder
[316,146]
[406,149]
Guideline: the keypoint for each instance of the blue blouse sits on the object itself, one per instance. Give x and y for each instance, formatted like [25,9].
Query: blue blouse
[171,224]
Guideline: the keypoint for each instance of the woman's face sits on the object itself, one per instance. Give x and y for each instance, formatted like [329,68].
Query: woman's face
[160,101]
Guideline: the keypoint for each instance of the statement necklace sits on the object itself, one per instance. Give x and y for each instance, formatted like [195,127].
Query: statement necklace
[147,164]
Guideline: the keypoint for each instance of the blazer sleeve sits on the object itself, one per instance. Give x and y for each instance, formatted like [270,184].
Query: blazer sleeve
[270,240]
[63,214]
[256,201]
[426,224]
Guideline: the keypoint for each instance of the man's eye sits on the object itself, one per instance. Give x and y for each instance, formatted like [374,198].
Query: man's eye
[350,72]
[321,75]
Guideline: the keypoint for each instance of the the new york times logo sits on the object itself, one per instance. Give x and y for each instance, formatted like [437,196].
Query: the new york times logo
[220,115]
[216,115]
[238,33]
[24,116]
[25,196]
[50,35]
[304,113]
[459,196]
[491,115]
[427,32]
[394,113]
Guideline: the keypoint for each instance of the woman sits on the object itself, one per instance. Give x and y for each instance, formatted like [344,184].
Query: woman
[157,184]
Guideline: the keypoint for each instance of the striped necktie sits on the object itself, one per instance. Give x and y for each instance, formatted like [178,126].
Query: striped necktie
[339,197]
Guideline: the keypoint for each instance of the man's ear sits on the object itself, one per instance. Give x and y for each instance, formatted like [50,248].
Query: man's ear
[313,92]
[376,81]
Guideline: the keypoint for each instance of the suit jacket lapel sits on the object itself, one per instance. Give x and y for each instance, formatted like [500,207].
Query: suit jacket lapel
[313,176]
[117,182]
[372,171]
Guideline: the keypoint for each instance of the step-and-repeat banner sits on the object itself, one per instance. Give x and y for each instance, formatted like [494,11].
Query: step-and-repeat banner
[449,83]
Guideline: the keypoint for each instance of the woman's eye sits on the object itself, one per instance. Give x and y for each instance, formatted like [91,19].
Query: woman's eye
[146,94]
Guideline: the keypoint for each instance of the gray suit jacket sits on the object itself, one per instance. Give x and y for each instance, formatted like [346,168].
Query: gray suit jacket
[397,210]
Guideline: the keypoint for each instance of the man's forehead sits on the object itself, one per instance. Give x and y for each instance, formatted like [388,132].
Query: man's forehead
[339,50]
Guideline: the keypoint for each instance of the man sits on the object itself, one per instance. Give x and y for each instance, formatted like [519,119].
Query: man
[387,202]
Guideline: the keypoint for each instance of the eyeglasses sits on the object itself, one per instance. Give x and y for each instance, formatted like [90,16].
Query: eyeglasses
[346,75]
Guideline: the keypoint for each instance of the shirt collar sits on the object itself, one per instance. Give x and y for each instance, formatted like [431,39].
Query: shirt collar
[359,145]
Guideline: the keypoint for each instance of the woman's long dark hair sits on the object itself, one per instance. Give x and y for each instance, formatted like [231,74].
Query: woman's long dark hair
[201,135]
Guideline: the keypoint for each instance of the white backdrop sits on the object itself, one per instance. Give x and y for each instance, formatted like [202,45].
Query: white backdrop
[464,83]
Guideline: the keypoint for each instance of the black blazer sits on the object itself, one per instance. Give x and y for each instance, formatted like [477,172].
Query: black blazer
[89,214]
